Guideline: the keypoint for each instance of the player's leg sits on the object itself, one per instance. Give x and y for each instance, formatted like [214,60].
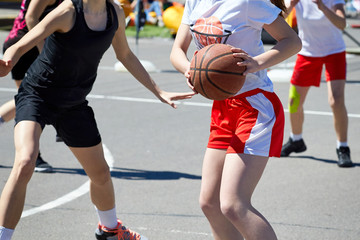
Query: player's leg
[336,98]
[240,176]
[102,193]
[335,76]
[222,228]
[26,137]
[93,161]
[307,72]
[297,96]
[78,129]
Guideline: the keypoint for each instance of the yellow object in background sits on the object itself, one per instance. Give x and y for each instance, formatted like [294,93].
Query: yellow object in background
[172,17]
[291,18]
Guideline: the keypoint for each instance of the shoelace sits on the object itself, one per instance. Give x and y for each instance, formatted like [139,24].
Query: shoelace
[122,232]
[127,234]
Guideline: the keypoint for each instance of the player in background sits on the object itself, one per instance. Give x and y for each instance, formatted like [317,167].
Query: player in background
[245,129]
[54,91]
[31,13]
[320,25]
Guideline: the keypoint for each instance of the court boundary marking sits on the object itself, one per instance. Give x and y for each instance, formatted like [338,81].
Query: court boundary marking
[84,188]
[185,103]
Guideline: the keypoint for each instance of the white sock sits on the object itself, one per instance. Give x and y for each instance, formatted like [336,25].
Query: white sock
[296,137]
[107,218]
[6,233]
[341,144]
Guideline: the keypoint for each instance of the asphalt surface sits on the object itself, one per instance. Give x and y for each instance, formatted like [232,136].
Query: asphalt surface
[156,156]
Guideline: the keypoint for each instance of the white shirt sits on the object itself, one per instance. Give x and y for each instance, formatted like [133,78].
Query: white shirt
[244,19]
[318,35]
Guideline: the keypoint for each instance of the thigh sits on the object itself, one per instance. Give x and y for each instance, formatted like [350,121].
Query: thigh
[92,160]
[241,174]
[26,138]
[336,90]
[211,174]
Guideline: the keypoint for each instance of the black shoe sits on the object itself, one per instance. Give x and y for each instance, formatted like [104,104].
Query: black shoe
[293,146]
[42,166]
[344,157]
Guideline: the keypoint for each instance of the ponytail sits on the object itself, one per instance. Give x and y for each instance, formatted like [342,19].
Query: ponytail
[280,4]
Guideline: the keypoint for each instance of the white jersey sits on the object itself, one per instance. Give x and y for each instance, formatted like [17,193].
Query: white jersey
[244,19]
[318,35]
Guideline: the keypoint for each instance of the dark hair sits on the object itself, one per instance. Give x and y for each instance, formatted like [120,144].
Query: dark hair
[280,4]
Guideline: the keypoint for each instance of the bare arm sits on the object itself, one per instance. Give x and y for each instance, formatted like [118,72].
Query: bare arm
[178,55]
[335,15]
[133,65]
[288,44]
[60,19]
[33,14]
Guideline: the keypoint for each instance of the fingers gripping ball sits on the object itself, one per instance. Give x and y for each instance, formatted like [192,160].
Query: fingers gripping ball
[214,72]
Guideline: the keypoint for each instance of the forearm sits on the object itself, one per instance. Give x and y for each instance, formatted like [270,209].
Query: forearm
[337,18]
[179,60]
[134,66]
[280,52]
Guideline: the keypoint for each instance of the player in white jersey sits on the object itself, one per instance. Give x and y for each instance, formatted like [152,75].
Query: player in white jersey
[248,128]
[320,24]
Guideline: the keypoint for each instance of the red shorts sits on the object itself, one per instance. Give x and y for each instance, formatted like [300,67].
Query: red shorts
[250,123]
[308,70]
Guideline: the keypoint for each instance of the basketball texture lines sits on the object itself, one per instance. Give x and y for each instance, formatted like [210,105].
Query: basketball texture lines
[215,73]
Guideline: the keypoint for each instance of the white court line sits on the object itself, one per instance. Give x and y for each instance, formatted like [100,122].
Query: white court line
[186,103]
[198,104]
[83,189]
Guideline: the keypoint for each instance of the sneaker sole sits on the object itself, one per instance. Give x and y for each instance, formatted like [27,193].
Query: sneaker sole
[43,170]
[345,165]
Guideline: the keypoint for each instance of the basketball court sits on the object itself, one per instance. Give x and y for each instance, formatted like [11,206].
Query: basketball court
[155,153]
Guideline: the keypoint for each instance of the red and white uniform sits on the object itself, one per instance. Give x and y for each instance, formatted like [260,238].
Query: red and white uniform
[251,122]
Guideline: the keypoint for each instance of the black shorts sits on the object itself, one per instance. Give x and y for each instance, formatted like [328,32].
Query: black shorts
[25,61]
[75,125]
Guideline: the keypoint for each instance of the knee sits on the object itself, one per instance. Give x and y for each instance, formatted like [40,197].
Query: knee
[294,100]
[209,205]
[24,168]
[336,100]
[234,211]
[102,176]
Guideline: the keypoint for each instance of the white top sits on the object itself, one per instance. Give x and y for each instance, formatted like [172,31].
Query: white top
[318,35]
[244,18]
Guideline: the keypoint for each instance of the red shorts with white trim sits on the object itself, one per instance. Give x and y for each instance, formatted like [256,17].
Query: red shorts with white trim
[249,123]
[308,70]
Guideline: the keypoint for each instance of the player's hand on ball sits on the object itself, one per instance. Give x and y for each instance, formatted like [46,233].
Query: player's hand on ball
[188,81]
[245,60]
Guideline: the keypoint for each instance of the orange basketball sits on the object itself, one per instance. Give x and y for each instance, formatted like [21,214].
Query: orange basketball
[214,72]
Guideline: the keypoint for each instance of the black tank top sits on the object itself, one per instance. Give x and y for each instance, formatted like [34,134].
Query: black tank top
[65,71]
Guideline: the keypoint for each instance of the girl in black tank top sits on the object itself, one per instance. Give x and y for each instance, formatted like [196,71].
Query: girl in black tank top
[77,34]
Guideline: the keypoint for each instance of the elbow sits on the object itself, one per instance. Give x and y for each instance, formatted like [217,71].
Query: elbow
[172,58]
